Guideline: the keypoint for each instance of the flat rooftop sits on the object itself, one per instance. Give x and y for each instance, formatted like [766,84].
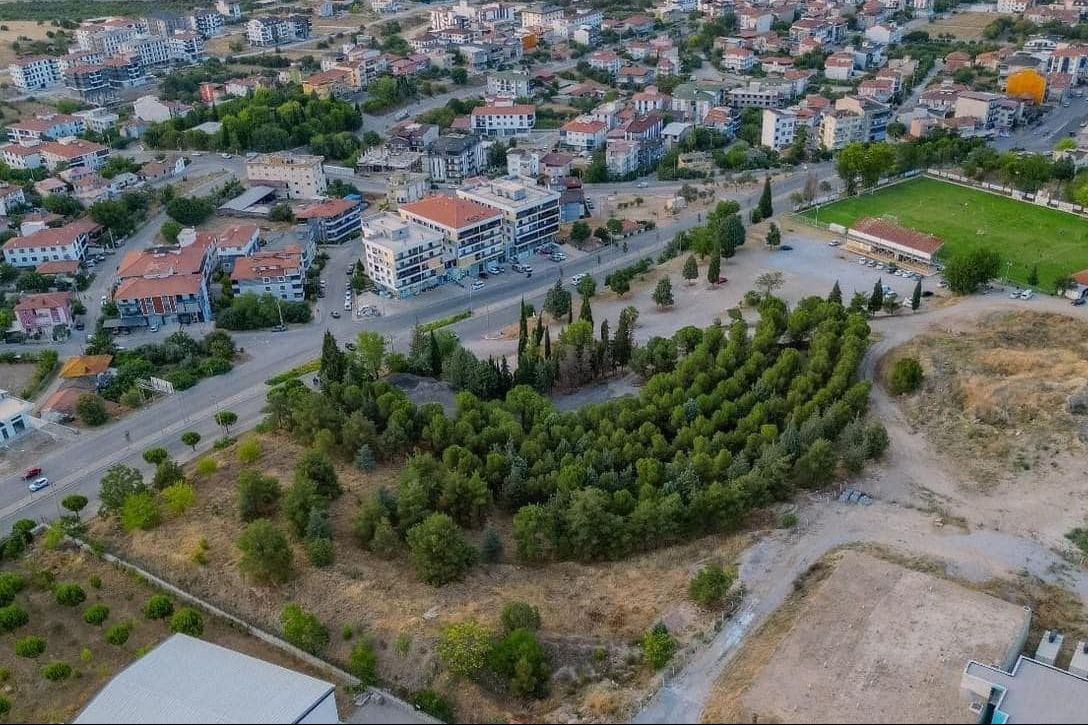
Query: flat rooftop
[248,198]
[392,232]
[508,193]
[1036,693]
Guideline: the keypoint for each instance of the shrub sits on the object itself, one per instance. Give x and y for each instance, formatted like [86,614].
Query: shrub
[906,376]
[363,663]
[57,671]
[657,646]
[118,633]
[303,629]
[158,606]
[519,658]
[788,521]
[258,495]
[347,632]
[30,646]
[491,547]
[5,706]
[320,551]
[464,648]
[710,585]
[520,615]
[434,705]
[187,621]
[69,595]
[96,581]
[179,498]
[12,617]
[249,450]
[10,585]
[206,466]
[266,557]
[439,552]
[315,467]
[96,614]
[364,458]
[140,512]
[385,542]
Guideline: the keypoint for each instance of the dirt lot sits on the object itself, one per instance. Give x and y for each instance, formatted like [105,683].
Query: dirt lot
[16,28]
[94,661]
[869,642]
[964,26]
[14,377]
[583,607]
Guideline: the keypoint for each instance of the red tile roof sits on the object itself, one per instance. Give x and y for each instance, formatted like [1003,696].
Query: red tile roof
[44,301]
[326,209]
[583,127]
[62,266]
[268,264]
[161,262]
[137,288]
[452,212]
[58,237]
[883,229]
[520,109]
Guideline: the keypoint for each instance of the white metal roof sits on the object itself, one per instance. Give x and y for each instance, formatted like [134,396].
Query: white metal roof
[187,680]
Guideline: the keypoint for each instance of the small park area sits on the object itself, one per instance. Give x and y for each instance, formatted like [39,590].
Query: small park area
[1022,233]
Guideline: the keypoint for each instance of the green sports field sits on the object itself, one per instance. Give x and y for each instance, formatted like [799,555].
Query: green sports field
[1024,234]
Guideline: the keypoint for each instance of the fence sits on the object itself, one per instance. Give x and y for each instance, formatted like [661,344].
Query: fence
[1010,192]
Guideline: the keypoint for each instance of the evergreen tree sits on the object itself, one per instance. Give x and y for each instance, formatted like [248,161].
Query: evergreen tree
[766,208]
[774,236]
[623,342]
[547,343]
[691,269]
[876,299]
[332,361]
[523,331]
[836,294]
[538,331]
[714,268]
[734,232]
[916,296]
[436,357]
[586,313]
[570,313]
[663,294]
[1033,276]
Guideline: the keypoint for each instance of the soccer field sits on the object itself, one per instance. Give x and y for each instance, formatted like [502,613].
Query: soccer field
[1024,234]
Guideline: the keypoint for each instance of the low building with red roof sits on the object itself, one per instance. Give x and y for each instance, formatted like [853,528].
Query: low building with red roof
[332,221]
[885,240]
[280,273]
[41,314]
[66,243]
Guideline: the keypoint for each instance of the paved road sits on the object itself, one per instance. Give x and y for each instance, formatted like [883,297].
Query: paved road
[78,465]
[1058,124]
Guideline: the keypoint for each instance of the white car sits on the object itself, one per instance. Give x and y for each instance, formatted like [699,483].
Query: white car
[833,243]
[863,262]
[38,484]
[153,328]
[642,184]
[577,278]
[1027,294]
[347,305]
[477,285]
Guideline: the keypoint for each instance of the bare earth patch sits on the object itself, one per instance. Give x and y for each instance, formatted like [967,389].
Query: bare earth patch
[963,26]
[583,607]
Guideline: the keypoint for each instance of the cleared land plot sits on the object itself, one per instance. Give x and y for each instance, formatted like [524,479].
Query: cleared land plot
[21,28]
[872,641]
[1023,233]
[964,26]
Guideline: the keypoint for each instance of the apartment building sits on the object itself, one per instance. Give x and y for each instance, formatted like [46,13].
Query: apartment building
[400,256]
[151,108]
[841,127]
[87,79]
[208,23]
[164,285]
[332,221]
[583,135]
[514,84]
[454,158]
[229,9]
[186,46]
[99,120]
[982,106]
[149,50]
[301,175]
[35,73]
[45,127]
[739,60]
[778,128]
[539,16]
[605,60]
[530,213]
[275,30]
[621,157]
[11,198]
[473,233]
[107,35]
[68,243]
[503,119]
[1013,7]
[231,243]
[280,273]
[876,116]
[21,157]
[73,152]
[164,23]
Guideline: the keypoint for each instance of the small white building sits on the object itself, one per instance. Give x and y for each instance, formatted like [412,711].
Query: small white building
[778,129]
[14,416]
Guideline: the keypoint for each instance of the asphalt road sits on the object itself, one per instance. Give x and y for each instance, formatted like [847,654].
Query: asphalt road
[77,466]
[1057,124]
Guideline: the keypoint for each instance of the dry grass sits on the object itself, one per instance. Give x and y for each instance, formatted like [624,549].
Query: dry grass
[964,26]
[583,607]
[14,377]
[16,28]
[83,646]
[994,396]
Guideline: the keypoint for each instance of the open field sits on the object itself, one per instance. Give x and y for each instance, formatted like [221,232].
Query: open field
[584,608]
[14,377]
[871,641]
[963,26]
[1024,234]
[83,646]
[13,29]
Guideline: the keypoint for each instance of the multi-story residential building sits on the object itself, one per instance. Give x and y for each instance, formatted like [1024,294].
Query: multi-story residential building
[539,16]
[332,221]
[651,99]
[530,213]
[167,284]
[1012,7]
[583,135]
[208,23]
[186,46]
[503,119]
[605,60]
[778,129]
[876,116]
[333,83]
[18,156]
[11,198]
[978,105]
[107,35]
[400,256]
[123,71]
[301,175]
[40,314]
[1071,59]
[149,50]
[757,94]
[455,157]
[151,108]
[87,79]
[229,9]
[756,20]
[473,233]
[508,83]
[739,60]
[99,120]
[691,101]
[637,76]
[877,89]
[621,156]
[72,152]
[68,243]
[45,127]
[841,127]
[231,243]
[839,67]
[35,73]
[274,30]
[163,23]
[280,273]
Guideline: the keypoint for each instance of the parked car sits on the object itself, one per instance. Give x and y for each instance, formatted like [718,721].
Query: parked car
[786,248]
[153,328]
[1079,301]
[833,243]
[279,328]
[39,484]
[477,285]
[577,278]
[335,314]
[494,268]
[32,472]
[347,305]
[350,346]
[642,184]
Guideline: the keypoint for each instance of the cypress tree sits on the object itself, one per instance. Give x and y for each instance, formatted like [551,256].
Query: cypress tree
[916,297]
[876,299]
[836,294]
[332,361]
[714,268]
[586,313]
[523,330]
[436,357]
[766,204]
[547,343]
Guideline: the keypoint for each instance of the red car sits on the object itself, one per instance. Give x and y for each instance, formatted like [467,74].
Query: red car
[32,473]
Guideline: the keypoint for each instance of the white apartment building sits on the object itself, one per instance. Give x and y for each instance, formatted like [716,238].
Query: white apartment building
[107,35]
[982,106]
[508,83]
[530,213]
[621,156]
[149,50]
[35,73]
[583,135]
[21,157]
[1013,6]
[739,60]
[280,273]
[269,30]
[504,119]
[186,46]
[778,129]
[98,120]
[840,127]
[401,257]
[49,245]
[229,9]
[43,127]
[302,175]
[539,16]
[453,158]
[208,23]
[151,108]
[73,152]
[473,233]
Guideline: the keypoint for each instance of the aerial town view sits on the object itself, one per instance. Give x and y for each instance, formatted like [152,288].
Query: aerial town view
[586,361]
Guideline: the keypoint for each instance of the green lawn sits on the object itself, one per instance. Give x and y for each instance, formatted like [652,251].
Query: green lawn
[1024,234]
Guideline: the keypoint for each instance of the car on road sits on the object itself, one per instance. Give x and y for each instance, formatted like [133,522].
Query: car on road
[786,248]
[335,314]
[80,325]
[833,243]
[642,185]
[38,484]
[1027,294]
[477,285]
[494,269]
[226,156]
[1079,301]
[525,268]
[863,261]
[32,472]
[578,278]
[557,257]
[153,328]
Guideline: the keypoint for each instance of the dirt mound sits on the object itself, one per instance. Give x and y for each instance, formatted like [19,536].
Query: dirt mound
[997,397]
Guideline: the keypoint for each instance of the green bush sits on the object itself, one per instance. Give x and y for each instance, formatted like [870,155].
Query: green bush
[710,585]
[464,648]
[439,552]
[118,633]
[30,646]
[303,629]
[906,376]
[187,621]
[158,606]
[140,512]
[434,705]
[788,521]
[5,706]
[520,615]
[70,595]
[320,551]
[520,660]
[12,617]
[57,671]
[658,646]
[10,585]
[96,614]
[363,663]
